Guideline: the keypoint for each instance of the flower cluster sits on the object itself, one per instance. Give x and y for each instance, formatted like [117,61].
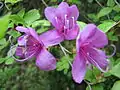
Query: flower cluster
[63,18]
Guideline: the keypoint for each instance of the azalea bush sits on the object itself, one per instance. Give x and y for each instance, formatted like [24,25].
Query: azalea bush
[59,44]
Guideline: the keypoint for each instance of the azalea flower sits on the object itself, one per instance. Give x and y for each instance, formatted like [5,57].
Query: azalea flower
[30,45]
[63,18]
[87,44]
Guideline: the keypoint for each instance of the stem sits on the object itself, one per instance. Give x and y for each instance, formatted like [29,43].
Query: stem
[1,5]
[63,49]
[44,3]
[117,3]
[89,84]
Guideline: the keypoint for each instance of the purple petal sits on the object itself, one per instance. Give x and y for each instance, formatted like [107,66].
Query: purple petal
[19,52]
[91,34]
[22,40]
[62,10]
[50,15]
[45,60]
[51,37]
[34,34]
[22,29]
[98,58]
[72,34]
[73,11]
[28,31]
[79,68]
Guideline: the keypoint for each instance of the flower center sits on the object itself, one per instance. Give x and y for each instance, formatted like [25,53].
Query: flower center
[68,23]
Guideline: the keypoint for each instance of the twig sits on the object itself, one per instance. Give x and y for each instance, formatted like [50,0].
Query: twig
[62,48]
[117,3]
[89,84]
[44,3]
[1,5]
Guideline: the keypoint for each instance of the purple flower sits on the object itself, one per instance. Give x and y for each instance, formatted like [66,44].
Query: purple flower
[87,43]
[30,45]
[64,20]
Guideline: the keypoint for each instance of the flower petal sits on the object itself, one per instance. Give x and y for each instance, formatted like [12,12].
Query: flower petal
[50,14]
[22,29]
[45,60]
[72,34]
[79,68]
[22,40]
[19,52]
[94,36]
[73,11]
[98,58]
[28,31]
[51,37]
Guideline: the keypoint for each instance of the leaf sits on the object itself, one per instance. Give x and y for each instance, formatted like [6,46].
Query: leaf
[21,13]
[116,8]
[9,61]
[96,87]
[110,3]
[3,43]
[63,64]
[116,85]
[12,1]
[31,16]
[17,19]
[93,17]
[104,11]
[115,70]
[117,18]
[4,21]
[81,24]
[2,60]
[14,33]
[106,26]
[41,23]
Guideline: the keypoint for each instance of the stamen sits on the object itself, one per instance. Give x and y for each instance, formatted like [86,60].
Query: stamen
[56,20]
[67,25]
[65,19]
[73,20]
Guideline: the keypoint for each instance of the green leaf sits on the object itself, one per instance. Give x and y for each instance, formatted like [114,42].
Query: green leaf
[111,36]
[14,33]
[115,70]
[12,1]
[31,16]
[41,23]
[106,26]
[63,64]
[17,19]
[3,43]
[9,61]
[117,17]
[96,87]
[116,8]
[116,85]
[110,3]
[93,17]
[21,13]
[104,11]
[2,60]
[81,24]
[4,21]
